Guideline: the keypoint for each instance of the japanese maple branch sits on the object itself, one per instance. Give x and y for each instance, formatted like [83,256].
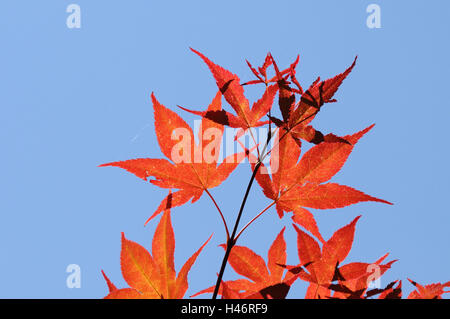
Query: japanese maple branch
[220,213]
[231,242]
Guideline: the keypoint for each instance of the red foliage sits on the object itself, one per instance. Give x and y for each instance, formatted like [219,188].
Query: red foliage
[294,184]
[153,276]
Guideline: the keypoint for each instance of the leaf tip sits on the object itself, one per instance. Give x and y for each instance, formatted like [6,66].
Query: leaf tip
[353,139]
[198,53]
[352,66]
[111,286]
[412,282]
[297,229]
[382,201]
[148,220]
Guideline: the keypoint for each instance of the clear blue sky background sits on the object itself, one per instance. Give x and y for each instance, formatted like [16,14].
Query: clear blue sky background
[73,99]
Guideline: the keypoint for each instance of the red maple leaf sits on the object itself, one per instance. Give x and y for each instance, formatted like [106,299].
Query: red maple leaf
[389,292]
[195,168]
[432,291]
[152,276]
[297,116]
[354,281]
[323,264]
[297,185]
[229,85]
[264,280]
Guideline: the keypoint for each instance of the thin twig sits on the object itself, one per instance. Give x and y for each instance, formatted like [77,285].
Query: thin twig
[232,240]
[220,213]
[254,218]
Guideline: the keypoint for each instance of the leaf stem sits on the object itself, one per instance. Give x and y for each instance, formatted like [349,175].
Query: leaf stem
[220,213]
[254,218]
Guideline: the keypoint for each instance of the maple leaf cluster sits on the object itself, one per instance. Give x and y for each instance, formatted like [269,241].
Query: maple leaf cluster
[292,182]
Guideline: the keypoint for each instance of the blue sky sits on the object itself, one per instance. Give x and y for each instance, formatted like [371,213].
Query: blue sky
[72,99]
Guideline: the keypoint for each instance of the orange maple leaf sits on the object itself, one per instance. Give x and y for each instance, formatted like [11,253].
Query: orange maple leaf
[297,116]
[229,85]
[432,291]
[152,276]
[298,184]
[354,281]
[264,280]
[323,263]
[195,168]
